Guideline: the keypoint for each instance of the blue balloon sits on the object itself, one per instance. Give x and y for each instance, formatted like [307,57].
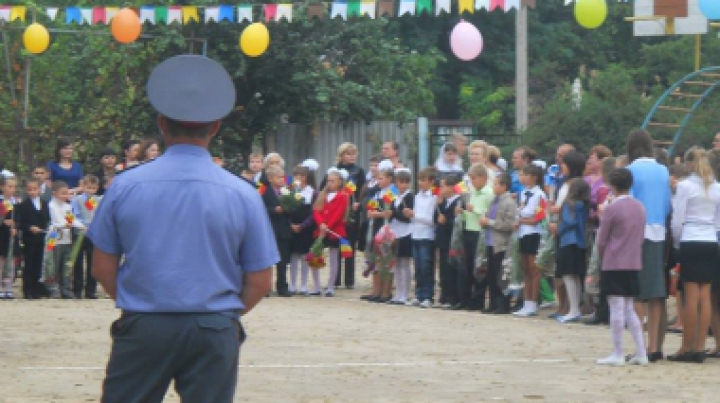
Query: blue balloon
[710,9]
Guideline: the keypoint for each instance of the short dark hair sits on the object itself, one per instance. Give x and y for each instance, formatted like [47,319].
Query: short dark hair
[504,179]
[376,158]
[61,143]
[128,144]
[428,173]
[527,153]
[57,185]
[182,129]
[639,145]
[403,176]
[575,161]
[621,179]
[32,180]
[108,151]
[536,171]
[451,180]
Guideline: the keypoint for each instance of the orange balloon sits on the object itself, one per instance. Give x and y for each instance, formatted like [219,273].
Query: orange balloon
[126,26]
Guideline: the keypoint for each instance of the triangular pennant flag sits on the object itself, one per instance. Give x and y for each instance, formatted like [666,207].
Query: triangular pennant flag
[353,9]
[4,13]
[190,13]
[386,8]
[316,10]
[269,10]
[510,4]
[86,14]
[52,12]
[245,12]
[284,11]
[482,4]
[147,13]
[98,16]
[212,13]
[18,13]
[72,14]
[110,13]
[368,8]
[161,14]
[442,5]
[424,6]
[466,5]
[226,13]
[406,7]
[497,4]
[339,10]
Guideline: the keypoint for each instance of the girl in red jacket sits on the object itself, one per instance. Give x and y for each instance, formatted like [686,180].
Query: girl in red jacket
[330,212]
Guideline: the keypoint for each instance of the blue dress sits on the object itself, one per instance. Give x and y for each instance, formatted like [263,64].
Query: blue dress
[70,176]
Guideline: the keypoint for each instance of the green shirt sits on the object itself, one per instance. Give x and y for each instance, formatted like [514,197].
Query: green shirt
[480,200]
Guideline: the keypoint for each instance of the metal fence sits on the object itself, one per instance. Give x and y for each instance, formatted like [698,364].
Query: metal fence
[297,142]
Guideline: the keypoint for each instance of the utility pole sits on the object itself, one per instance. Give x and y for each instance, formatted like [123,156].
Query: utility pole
[521,68]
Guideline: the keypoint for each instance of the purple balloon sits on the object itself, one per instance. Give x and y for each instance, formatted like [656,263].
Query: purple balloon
[466,41]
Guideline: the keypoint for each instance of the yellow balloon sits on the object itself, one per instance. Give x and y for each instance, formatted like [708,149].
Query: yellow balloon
[255,39]
[591,14]
[36,38]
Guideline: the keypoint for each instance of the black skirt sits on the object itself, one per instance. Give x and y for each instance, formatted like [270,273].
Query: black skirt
[404,246]
[5,243]
[699,262]
[571,262]
[529,244]
[619,283]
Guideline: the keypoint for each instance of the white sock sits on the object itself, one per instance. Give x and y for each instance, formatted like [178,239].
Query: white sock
[316,280]
[531,306]
[334,262]
[572,284]
[408,278]
[304,269]
[294,266]
[399,281]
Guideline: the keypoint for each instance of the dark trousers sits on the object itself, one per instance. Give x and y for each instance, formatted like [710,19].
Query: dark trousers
[467,286]
[284,248]
[33,255]
[424,257]
[448,278]
[348,263]
[200,352]
[82,272]
[498,300]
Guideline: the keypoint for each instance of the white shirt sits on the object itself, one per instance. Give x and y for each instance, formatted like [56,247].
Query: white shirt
[307,194]
[696,211]
[36,203]
[401,229]
[423,226]
[58,210]
[528,209]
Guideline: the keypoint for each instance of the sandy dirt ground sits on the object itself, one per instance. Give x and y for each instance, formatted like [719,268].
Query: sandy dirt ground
[343,350]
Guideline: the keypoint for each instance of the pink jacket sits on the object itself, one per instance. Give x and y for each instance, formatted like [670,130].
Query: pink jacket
[621,235]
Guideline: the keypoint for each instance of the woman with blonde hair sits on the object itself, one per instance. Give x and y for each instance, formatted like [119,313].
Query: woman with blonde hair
[696,213]
[347,160]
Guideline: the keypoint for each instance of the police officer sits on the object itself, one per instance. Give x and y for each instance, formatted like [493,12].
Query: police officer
[197,245]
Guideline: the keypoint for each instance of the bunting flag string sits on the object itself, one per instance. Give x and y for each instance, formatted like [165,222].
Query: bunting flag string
[274,12]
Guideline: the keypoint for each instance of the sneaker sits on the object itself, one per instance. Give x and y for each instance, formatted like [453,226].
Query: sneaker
[525,314]
[314,294]
[414,302]
[569,319]
[638,360]
[548,304]
[612,360]
[426,304]
[555,315]
[329,293]
[9,295]
[2,294]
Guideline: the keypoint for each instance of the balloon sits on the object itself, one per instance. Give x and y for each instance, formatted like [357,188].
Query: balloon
[255,39]
[466,41]
[710,9]
[36,38]
[591,14]
[126,26]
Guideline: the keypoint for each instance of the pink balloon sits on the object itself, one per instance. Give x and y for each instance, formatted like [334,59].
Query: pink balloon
[466,41]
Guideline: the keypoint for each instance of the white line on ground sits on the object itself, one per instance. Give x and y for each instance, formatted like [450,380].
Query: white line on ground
[340,365]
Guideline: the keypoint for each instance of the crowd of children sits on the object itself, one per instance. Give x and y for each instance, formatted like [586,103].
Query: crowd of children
[593,231]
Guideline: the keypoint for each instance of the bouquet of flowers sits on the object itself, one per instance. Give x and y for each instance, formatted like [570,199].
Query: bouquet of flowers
[512,269]
[369,250]
[289,200]
[384,244]
[481,262]
[457,246]
[592,279]
[316,256]
[49,274]
[91,203]
[545,259]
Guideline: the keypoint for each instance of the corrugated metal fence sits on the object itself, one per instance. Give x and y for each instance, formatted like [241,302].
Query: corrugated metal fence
[298,142]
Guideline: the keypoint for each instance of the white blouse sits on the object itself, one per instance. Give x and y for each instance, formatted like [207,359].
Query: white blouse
[401,229]
[696,211]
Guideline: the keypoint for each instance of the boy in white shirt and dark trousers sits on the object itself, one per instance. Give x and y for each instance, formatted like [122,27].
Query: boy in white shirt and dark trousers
[423,238]
[62,220]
